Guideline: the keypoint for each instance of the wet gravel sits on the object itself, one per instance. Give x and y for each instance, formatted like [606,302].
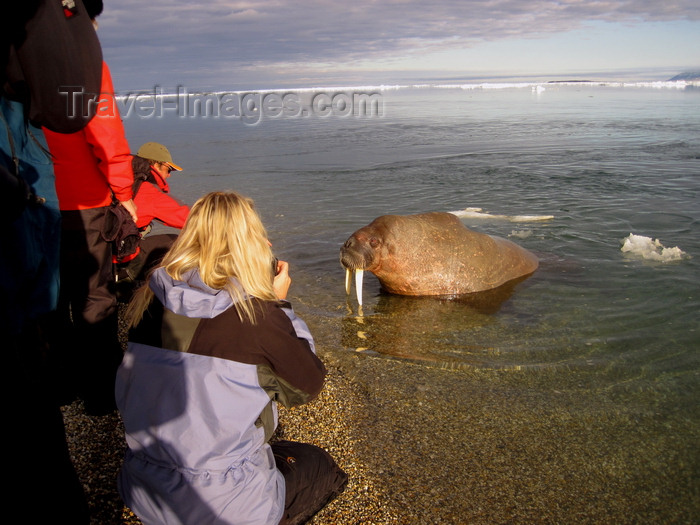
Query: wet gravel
[436,446]
[427,445]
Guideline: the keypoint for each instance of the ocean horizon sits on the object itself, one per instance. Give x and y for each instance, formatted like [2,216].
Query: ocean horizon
[431,78]
[688,80]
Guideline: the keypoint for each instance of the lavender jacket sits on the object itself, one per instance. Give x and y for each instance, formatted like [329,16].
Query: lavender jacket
[197,391]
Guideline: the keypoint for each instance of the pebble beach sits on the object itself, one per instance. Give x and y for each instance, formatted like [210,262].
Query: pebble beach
[425,445]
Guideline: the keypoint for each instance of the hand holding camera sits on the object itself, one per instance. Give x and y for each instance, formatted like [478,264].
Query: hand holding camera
[282,281]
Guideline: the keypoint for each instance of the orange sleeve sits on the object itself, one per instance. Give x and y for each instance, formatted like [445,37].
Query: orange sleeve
[105,135]
[152,203]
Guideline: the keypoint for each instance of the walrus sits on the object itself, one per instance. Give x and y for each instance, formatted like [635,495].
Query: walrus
[432,254]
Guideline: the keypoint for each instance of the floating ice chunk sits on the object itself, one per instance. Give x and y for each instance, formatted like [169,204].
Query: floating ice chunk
[521,234]
[478,213]
[652,249]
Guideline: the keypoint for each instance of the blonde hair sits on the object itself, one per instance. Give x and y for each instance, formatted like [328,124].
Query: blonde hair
[223,238]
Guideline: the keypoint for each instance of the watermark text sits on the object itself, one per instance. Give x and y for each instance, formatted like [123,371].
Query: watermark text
[247,107]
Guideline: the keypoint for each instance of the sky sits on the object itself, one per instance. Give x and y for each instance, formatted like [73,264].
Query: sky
[272,44]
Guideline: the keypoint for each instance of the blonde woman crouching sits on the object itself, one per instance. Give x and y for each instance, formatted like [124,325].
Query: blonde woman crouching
[213,347]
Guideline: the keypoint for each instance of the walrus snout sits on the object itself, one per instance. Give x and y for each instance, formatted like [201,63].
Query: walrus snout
[354,254]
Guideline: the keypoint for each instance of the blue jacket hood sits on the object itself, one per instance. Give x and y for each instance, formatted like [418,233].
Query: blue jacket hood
[191,297]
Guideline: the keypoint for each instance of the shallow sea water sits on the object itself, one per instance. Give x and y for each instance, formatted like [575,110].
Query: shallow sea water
[604,161]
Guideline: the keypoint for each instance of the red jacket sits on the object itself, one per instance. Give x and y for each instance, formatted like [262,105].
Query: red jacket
[95,161]
[153,202]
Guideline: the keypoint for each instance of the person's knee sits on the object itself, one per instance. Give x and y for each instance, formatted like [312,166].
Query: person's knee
[312,479]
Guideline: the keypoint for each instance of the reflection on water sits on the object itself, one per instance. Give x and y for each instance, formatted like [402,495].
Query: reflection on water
[426,329]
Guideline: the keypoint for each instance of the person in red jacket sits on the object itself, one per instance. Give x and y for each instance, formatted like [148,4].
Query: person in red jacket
[92,167]
[153,164]
[152,167]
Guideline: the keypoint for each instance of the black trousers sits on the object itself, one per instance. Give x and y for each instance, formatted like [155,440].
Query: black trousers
[312,479]
[153,248]
[85,346]
[134,273]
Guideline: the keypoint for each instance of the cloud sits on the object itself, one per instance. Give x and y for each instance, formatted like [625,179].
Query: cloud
[221,40]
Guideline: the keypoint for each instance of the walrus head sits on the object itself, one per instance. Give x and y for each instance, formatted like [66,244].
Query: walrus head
[356,256]
[362,251]
[358,251]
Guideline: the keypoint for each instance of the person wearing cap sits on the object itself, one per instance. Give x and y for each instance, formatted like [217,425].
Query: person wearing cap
[153,164]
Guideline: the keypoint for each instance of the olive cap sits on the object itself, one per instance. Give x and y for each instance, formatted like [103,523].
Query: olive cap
[159,153]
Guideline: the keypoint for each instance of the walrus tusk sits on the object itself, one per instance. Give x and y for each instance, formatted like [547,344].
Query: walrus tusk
[358,285]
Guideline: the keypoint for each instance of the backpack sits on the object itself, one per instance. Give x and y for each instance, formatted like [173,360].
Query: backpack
[120,230]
